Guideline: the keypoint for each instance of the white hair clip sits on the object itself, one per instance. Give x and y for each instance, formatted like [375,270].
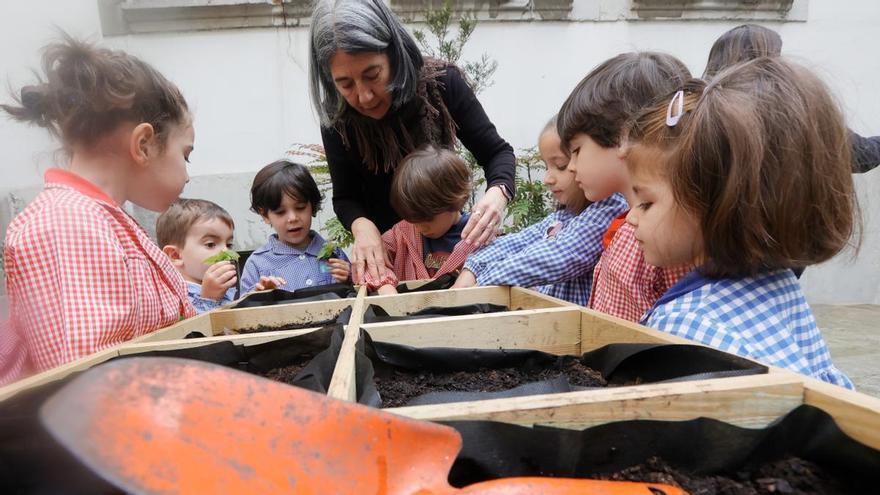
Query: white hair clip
[678,104]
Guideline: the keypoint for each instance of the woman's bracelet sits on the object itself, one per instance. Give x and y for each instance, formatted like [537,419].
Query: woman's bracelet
[504,191]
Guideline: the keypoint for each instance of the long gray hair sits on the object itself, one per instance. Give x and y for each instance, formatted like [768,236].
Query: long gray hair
[358,26]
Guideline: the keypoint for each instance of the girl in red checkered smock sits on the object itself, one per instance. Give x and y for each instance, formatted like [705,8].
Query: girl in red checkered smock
[81,274]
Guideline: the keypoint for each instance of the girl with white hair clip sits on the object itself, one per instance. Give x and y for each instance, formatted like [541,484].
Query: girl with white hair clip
[378,99]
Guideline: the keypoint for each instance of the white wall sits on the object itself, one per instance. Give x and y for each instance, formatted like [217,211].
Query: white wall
[248,90]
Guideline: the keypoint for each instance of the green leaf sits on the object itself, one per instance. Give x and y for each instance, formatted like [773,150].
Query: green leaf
[327,250]
[227,255]
[337,233]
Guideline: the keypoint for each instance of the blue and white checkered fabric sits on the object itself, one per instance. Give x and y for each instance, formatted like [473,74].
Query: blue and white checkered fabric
[298,268]
[765,318]
[194,292]
[560,263]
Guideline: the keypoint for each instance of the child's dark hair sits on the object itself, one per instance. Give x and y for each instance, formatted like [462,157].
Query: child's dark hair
[89,91]
[173,225]
[761,158]
[429,181]
[613,92]
[280,178]
[741,44]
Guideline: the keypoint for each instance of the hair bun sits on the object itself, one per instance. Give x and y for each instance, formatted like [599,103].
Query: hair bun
[33,98]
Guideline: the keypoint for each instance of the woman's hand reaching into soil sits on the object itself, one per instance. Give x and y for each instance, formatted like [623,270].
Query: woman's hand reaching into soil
[368,253]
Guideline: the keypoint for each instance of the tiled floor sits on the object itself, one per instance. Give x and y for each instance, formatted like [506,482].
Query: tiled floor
[853,336]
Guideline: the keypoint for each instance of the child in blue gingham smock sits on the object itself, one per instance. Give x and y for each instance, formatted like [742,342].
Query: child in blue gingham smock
[744,177]
[287,197]
[555,256]
[765,317]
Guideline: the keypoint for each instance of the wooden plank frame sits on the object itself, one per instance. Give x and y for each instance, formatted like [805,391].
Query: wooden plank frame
[342,383]
[216,322]
[537,322]
[748,401]
[57,373]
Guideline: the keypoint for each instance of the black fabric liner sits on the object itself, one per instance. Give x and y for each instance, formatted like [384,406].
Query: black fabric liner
[31,461]
[701,446]
[619,364]
[440,283]
[281,296]
[376,314]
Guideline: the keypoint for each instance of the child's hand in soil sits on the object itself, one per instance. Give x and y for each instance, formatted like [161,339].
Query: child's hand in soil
[269,283]
[386,290]
[340,270]
[218,278]
[465,279]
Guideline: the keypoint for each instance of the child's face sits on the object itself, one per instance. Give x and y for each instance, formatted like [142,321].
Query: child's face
[205,238]
[559,180]
[438,225]
[669,235]
[292,221]
[164,177]
[600,172]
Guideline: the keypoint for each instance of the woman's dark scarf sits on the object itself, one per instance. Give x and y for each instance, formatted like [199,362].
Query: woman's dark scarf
[425,119]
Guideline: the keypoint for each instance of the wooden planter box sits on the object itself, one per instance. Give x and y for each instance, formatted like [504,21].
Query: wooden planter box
[534,322]
[748,401]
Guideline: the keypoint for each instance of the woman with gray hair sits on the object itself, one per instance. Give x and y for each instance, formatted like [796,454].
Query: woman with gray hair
[378,99]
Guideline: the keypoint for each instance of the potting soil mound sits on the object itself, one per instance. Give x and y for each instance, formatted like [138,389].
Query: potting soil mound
[789,476]
[286,374]
[400,386]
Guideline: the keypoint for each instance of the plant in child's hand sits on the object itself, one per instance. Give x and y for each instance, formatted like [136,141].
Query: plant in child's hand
[226,255]
[221,275]
[339,269]
[327,250]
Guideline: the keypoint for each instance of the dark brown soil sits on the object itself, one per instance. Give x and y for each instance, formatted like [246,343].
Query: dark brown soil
[287,326]
[400,386]
[287,373]
[789,476]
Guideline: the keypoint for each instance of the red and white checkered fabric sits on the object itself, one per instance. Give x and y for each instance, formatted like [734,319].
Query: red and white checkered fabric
[12,360]
[405,248]
[82,275]
[623,284]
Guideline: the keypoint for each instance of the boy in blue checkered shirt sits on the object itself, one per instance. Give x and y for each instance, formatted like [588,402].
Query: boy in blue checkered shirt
[555,256]
[746,177]
[286,195]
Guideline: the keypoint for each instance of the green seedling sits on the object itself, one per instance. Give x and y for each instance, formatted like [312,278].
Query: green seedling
[227,255]
[327,251]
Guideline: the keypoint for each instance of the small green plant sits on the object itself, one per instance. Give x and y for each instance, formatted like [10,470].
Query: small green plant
[337,233]
[227,255]
[532,201]
[327,250]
